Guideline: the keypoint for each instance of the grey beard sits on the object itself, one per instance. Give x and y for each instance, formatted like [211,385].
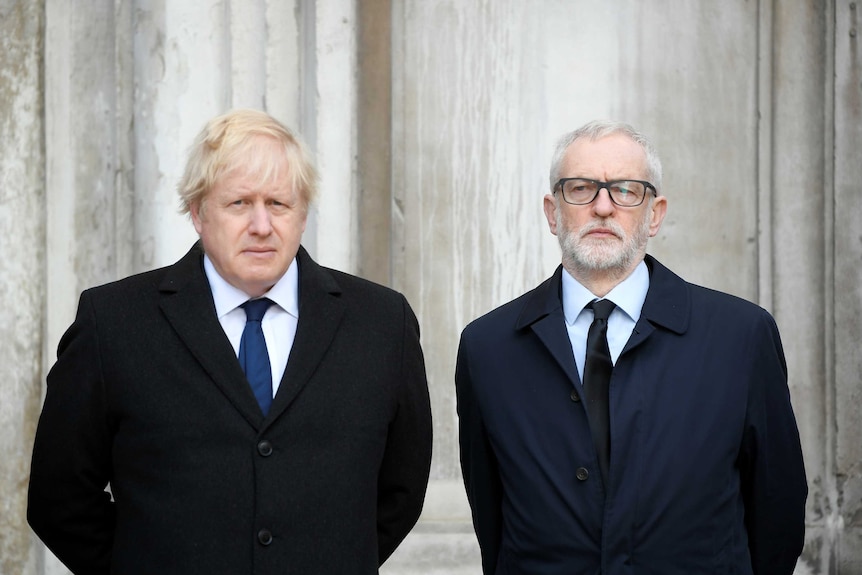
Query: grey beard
[614,258]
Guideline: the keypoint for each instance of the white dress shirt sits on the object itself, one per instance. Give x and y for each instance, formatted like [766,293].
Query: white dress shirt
[278,324]
[629,298]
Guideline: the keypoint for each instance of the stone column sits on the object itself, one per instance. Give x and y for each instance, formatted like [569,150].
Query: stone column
[800,202]
[333,39]
[844,318]
[374,140]
[22,271]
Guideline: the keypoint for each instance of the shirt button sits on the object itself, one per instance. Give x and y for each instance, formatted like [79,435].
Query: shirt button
[264,448]
[575,397]
[264,537]
[582,474]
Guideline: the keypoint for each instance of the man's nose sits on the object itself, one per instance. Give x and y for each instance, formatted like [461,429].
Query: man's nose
[260,221]
[603,205]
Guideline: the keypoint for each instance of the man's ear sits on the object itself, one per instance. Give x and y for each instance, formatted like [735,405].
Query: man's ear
[549,204]
[196,212]
[659,210]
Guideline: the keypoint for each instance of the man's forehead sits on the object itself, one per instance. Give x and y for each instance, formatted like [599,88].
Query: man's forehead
[613,152]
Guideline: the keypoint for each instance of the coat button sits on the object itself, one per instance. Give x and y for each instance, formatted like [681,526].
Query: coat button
[264,448]
[264,537]
[575,397]
[582,473]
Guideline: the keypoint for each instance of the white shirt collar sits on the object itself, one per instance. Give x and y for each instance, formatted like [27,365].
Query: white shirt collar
[285,293]
[629,295]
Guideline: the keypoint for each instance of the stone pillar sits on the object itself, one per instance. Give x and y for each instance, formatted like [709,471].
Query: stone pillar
[333,39]
[844,319]
[22,279]
[816,208]
[374,139]
[798,197]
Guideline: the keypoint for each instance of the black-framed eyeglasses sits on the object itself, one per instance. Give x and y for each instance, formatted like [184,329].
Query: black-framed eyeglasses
[625,193]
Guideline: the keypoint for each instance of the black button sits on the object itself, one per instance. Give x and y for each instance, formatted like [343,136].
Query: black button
[264,536]
[264,448]
[575,397]
[582,474]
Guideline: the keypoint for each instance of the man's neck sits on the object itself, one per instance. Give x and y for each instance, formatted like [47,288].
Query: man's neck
[600,282]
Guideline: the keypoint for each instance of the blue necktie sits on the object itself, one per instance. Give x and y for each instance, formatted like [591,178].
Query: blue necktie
[597,377]
[253,356]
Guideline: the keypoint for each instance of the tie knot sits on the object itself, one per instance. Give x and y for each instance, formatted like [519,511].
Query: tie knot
[602,309]
[256,308]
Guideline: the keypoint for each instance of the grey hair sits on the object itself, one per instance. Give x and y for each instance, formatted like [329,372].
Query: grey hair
[599,129]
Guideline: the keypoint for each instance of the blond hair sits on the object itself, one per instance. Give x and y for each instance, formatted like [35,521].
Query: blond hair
[232,140]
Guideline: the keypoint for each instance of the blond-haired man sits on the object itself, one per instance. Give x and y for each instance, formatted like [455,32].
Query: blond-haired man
[291,439]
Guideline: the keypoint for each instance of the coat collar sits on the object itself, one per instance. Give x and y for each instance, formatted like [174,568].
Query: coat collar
[186,301]
[668,301]
[543,313]
[543,301]
[667,306]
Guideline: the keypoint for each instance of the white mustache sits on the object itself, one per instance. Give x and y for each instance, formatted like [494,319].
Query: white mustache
[614,227]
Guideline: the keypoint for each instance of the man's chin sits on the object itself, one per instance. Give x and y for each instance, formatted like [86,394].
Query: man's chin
[600,262]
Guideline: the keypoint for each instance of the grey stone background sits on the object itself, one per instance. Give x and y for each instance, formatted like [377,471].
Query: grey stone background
[432,122]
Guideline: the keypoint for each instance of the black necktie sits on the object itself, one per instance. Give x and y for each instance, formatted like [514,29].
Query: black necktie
[597,377]
[253,356]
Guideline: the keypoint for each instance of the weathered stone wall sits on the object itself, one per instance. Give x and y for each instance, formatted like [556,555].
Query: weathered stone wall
[22,268]
[432,123]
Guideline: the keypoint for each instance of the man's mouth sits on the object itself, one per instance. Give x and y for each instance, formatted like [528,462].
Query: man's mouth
[600,233]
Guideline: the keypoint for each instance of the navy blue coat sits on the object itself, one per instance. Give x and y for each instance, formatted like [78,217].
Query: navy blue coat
[706,471]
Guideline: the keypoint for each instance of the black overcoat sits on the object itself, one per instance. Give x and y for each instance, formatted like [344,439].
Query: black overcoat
[147,395]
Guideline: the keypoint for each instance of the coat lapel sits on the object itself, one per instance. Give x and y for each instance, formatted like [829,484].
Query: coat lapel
[320,313]
[186,301]
[543,313]
[668,304]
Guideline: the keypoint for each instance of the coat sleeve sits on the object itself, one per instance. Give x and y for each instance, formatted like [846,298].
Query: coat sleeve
[68,506]
[478,466]
[774,487]
[406,464]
